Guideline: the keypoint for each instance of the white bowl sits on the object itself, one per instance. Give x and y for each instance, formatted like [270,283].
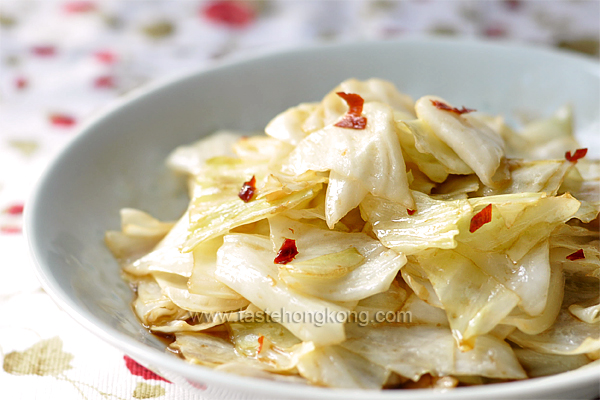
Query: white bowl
[118,160]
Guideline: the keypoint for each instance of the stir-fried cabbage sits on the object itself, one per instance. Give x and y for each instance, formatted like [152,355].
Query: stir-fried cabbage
[368,241]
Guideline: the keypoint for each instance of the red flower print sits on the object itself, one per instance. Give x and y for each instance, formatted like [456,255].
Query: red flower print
[234,14]
[62,120]
[15,209]
[105,81]
[43,51]
[495,31]
[10,229]
[138,370]
[105,56]
[79,6]
[21,83]
[197,385]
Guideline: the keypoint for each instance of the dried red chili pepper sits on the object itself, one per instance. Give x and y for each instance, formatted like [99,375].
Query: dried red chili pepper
[260,343]
[353,118]
[411,212]
[578,255]
[481,218]
[287,252]
[247,190]
[579,153]
[440,105]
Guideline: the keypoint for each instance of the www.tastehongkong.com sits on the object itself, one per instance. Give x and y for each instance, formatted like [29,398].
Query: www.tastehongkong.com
[317,318]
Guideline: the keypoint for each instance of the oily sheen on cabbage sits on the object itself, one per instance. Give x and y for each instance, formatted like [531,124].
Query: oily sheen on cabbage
[369,241]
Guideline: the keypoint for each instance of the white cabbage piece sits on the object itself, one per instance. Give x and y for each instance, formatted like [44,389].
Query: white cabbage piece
[528,278]
[217,208]
[139,223]
[534,176]
[519,222]
[583,182]
[424,162]
[287,126]
[190,158]
[326,268]
[175,288]
[426,142]
[456,187]
[343,194]
[269,343]
[474,142]
[415,350]
[204,349]
[151,306]
[198,322]
[390,300]
[424,313]
[541,364]
[532,325]
[337,367]
[435,223]
[416,278]
[140,232]
[332,107]
[371,156]
[166,256]
[202,280]
[418,181]
[566,240]
[547,138]
[245,264]
[245,336]
[568,335]
[474,301]
[588,311]
[261,149]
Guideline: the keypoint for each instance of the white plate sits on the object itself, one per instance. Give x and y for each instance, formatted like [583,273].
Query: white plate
[117,161]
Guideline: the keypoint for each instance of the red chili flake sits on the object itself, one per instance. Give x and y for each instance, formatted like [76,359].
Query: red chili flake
[247,190]
[15,209]
[260,343]
[21,83]
[353,118]
[411,212]
[105,81]
[43,51]
[578,255]
[139,370]
[79,6]
[105,56]
[287,252]
[481,218]
[440,105]
[62,120]
[579,153]
[233,14]
[10,229]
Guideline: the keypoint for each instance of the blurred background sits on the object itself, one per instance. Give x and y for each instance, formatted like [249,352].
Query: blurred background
[62,61]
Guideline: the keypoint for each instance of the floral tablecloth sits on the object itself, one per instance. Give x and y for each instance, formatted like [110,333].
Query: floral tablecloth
[60,61]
